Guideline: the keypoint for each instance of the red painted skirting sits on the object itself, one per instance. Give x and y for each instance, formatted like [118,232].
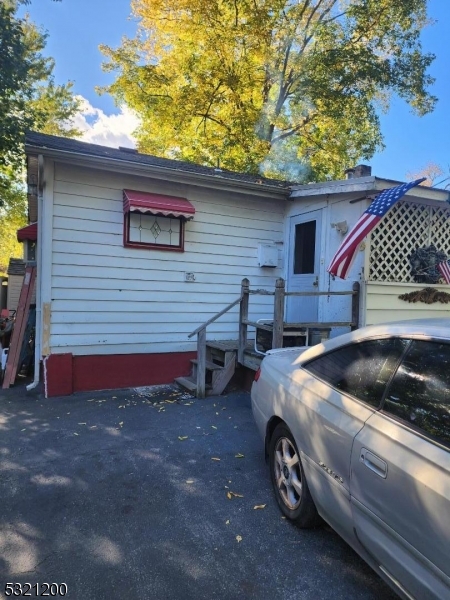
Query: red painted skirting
[65,374]
[58,375]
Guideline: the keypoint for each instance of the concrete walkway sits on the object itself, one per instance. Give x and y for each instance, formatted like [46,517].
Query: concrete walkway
[124,495]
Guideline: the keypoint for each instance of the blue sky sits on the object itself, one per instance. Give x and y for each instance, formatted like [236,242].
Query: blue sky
[77,27]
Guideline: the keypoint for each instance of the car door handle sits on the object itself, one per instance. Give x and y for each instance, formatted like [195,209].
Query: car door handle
[374,463]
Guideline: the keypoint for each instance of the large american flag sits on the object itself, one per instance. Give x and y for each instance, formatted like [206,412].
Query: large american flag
[444,268]
[346,253]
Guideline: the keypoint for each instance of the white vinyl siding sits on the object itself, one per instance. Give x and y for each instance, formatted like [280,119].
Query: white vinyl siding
[108,299]
[384,306]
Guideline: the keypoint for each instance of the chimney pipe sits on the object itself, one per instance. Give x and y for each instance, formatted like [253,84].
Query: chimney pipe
[358,171]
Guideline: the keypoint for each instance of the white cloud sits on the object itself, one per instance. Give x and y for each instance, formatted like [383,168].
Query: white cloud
[107,130]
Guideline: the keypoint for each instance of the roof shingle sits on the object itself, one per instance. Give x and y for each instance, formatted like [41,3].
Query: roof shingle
[52,142]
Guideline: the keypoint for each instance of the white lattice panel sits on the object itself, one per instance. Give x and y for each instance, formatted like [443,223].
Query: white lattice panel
[407,226]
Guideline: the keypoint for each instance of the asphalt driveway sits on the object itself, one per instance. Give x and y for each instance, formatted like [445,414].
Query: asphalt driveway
[121,495]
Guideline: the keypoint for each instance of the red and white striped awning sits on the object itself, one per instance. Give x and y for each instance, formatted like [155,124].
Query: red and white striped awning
[157,204]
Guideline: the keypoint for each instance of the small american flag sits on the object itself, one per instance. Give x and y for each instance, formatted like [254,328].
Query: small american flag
[444,268]
[346,253]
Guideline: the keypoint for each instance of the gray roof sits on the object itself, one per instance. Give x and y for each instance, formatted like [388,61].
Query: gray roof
[16,266]
[37,141]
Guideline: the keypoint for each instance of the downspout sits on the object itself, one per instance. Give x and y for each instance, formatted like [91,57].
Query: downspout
[38,333]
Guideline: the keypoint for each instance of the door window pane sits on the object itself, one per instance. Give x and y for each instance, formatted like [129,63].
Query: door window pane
[305,248]
[361,369]
[420,390]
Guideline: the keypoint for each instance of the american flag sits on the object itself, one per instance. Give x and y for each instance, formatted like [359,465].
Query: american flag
[346,253]
[444,268]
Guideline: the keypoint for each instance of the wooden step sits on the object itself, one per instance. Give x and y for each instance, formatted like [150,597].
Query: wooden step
[224,345]
[189,384]
[221,378]
[210,366]
[252,359]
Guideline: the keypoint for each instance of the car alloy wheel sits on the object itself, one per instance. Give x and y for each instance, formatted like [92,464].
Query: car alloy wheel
[288,479]
[288,475]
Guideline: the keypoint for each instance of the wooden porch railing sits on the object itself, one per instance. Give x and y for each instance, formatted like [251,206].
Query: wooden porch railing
[278,327]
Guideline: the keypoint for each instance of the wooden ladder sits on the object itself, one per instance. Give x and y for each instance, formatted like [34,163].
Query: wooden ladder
[23,308]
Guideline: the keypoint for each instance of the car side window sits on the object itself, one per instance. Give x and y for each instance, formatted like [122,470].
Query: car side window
[361,369]
[420,390]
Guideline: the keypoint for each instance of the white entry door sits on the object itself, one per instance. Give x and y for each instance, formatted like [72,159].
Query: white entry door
[303,267]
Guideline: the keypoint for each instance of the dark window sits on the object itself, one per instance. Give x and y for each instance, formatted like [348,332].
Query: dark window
[361,369]
[420,390]
[153,231]
[305,248]
[31,250]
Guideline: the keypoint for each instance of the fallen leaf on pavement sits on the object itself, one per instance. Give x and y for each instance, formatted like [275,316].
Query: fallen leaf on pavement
[259,506]
[231,495]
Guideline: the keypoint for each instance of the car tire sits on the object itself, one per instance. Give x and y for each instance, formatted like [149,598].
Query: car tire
[289,481]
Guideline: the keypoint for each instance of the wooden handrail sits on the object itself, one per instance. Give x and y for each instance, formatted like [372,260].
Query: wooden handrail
[212,319]
[266,293]
[349,293]
[304,325]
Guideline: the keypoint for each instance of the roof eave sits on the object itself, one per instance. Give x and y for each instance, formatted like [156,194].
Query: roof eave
[157,171]
[365,184]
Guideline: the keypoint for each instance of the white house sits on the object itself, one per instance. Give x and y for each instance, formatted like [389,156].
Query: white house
[135,252]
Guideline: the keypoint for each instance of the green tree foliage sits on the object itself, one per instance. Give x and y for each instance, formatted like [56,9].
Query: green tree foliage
[13,215]
[29,99]
[248,81]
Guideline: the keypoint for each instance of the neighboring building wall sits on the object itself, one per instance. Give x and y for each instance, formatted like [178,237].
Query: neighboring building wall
[16,272]
[110,300]
[14,287]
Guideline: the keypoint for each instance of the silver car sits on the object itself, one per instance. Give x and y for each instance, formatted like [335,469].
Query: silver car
[357,432]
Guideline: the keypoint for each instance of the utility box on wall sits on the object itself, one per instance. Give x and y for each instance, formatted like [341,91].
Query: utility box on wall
[267,255]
